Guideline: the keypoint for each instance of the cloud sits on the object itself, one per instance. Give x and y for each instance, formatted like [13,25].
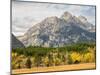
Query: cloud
[27,14]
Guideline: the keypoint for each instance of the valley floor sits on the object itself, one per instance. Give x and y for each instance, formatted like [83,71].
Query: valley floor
[56,68]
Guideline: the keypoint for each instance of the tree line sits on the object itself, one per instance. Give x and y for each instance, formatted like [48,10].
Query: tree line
[35,56]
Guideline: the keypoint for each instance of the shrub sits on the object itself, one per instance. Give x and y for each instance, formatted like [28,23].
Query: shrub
[88,57]
[75,57]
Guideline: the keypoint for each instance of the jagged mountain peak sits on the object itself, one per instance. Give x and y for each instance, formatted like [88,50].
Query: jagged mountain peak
[66,16]
[82,18]
[66,13]
[54,31]
[51,19]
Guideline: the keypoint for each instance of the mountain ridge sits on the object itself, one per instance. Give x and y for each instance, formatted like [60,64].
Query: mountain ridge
[16,43]
[54,31]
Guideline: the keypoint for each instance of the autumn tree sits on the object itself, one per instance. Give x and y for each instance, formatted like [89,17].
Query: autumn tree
[28,62]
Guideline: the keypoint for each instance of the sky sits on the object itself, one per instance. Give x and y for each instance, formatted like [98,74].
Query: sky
[27,14]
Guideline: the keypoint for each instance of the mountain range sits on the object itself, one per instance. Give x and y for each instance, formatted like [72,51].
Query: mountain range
[16,43]
[58,31]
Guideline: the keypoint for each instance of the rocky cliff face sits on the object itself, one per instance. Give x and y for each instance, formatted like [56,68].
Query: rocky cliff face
[54,31]
[16,43]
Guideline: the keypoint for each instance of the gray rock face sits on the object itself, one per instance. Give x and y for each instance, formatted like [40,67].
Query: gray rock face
[54,31]
[16,43]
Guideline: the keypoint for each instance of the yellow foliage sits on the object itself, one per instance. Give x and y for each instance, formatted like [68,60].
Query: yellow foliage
[16,60]
[57,61]
[75,57]
[89,57]
[14,55]
[46,60]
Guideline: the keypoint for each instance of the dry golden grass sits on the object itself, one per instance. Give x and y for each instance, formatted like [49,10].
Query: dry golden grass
[56,68]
